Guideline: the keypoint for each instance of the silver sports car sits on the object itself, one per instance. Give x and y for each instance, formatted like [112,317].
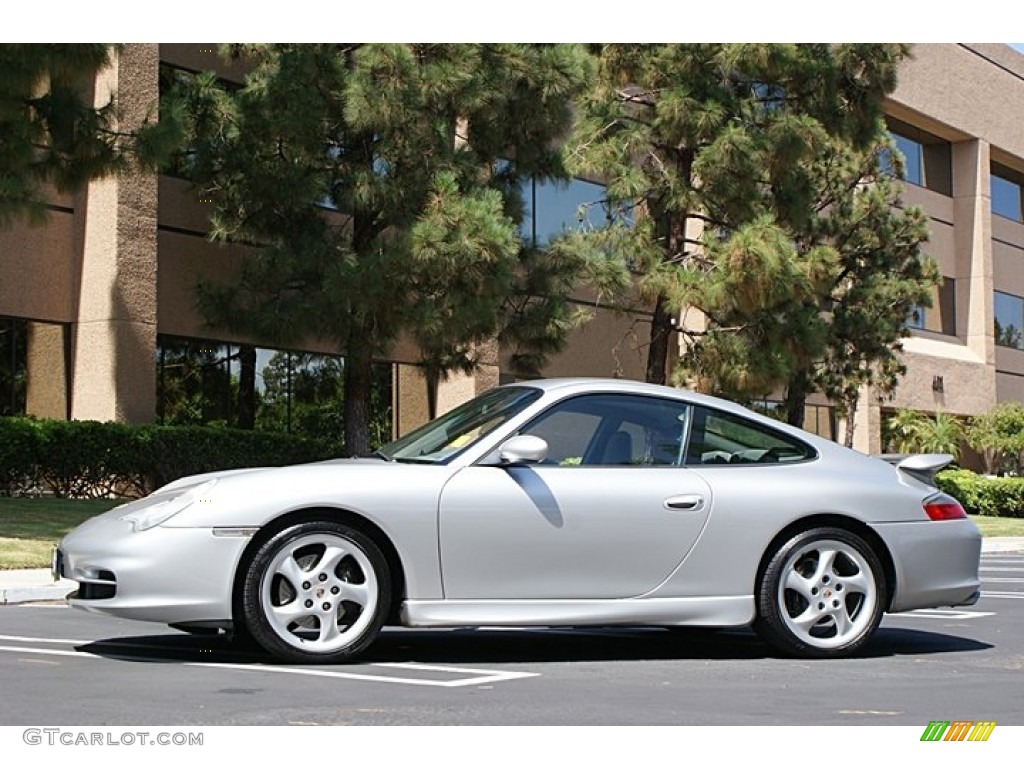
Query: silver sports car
[561,502]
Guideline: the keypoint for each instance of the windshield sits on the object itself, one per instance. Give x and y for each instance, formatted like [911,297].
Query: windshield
[440,439]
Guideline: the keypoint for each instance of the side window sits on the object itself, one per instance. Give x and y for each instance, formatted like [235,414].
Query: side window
[613,430]
[722,438]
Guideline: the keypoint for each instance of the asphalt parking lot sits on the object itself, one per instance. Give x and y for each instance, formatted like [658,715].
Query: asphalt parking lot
[64,666]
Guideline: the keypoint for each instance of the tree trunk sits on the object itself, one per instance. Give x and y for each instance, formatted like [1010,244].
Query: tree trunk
[851,422]
[675,250]
[796,398]
[358,385]
[657,350]
[246,387]
[433,379]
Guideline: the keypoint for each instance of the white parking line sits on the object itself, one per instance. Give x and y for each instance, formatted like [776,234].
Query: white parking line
[1007,580]
[1011,595]
[1001,569]
[469,676]
[61,640]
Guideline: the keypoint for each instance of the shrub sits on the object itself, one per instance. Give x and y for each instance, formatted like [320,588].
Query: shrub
[90,459]
[908,431]
[179,451]
[20,442]
[83,459]
[998,435]
[980,495]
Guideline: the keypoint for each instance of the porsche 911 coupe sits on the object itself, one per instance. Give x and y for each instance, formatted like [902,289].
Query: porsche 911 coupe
[565,502]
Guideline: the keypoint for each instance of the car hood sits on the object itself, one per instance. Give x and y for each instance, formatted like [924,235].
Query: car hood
[374,488]
[190,480]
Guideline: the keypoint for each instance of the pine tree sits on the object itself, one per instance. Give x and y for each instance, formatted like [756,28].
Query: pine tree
[880,278]
[735,159]
[50,134]
[381,186]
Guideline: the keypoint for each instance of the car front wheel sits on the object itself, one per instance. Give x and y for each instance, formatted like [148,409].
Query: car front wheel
[822,594]
[316,592]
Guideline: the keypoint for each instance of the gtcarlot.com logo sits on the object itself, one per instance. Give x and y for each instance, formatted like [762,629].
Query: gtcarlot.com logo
[80,738]
[958,730]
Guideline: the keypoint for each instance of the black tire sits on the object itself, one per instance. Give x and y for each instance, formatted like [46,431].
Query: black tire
[822,594]
[316,593]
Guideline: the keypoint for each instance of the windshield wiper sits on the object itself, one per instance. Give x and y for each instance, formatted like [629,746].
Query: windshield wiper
[379,455]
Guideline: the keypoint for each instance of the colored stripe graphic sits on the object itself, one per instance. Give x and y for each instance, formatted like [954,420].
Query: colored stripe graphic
[958,730]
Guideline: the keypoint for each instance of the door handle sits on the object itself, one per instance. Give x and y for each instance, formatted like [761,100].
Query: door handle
[688,501]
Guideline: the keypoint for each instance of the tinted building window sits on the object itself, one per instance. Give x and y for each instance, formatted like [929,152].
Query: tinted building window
[551,208]
[12,366]
[1009,320]
[818,419]
[940,317]
[202,381]
[927,157]
[33,368]
[913,158]
[1006,193]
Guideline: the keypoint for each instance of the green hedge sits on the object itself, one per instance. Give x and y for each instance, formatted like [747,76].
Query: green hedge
[980,495]
[83,459]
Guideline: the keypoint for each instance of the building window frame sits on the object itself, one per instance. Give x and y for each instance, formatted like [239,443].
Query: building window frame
[1006,190]
[940,317]
[928,159]
[1009,335]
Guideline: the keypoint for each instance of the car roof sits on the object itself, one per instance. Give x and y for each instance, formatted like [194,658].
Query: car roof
[586,384]
[583,385]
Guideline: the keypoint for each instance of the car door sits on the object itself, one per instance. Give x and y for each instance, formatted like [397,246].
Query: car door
[610,513]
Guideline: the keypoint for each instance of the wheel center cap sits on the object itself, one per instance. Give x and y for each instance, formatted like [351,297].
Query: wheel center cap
[827,593]
[320,592]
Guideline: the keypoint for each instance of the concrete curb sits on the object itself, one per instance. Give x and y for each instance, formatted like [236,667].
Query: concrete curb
[34,585]
[1002,544]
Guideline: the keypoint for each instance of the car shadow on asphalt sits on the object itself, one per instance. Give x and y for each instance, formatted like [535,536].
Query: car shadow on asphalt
[530,645]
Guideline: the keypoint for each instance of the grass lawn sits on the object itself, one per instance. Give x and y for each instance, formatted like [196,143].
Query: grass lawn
[997,526]
[30,527]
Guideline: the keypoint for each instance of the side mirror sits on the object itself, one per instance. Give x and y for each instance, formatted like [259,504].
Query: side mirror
[523,449]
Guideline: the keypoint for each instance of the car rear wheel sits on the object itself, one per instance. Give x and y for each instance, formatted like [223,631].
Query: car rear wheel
[822,594]
[316,592]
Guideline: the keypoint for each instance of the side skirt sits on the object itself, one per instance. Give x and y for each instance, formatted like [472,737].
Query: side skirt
[666,611]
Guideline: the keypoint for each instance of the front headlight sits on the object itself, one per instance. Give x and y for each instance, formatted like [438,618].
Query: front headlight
[152,511]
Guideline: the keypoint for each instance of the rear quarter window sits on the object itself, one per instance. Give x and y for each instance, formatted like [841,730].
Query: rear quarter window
[718,437]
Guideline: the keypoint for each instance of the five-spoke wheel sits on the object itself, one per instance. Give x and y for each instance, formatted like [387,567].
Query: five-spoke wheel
[316,592]
[822,594]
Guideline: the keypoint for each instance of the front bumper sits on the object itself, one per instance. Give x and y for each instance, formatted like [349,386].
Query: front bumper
[168,575]
[936,563]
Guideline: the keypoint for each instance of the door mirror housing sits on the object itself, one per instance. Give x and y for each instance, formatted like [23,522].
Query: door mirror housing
[523,449]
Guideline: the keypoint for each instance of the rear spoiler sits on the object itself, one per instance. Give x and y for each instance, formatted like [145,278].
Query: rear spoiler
[920,466]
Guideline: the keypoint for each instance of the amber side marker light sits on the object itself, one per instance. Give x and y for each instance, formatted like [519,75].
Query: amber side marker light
[943,507]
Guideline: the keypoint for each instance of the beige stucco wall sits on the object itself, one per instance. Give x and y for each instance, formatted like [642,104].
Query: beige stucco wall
[114,336]
[952,90]
[201,57]
[609,343]
[1010,386]
[38,269]
[46,375]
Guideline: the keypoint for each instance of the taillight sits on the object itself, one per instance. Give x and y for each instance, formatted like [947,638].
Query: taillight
[943,507]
